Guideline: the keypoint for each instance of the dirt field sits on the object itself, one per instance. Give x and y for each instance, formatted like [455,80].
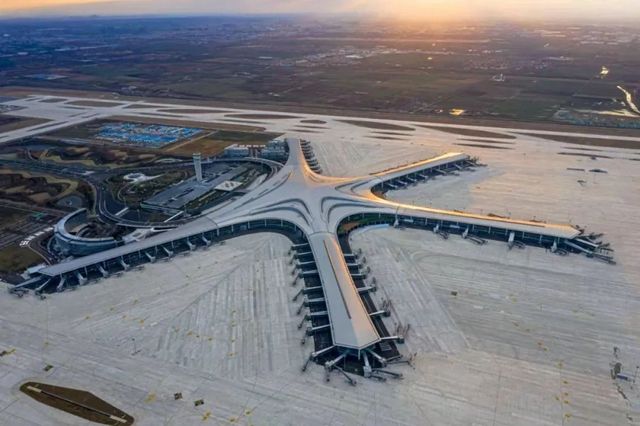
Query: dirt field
[608,143]
[478,145]
[580,154]
[207,146]
[305,126]
[52,100]
[387,138]
[298,130]
[38,188]
[470,132]
[98,157]
[9,216]
[77,402]
[263,116]
[8,123]
[91,103]
[142,106]
[387,133]
[489,141]
[194,111]
[15,259]
[377,125]
[215,142]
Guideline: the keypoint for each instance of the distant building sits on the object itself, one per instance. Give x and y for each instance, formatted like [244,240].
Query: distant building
[275,149]
[236,151]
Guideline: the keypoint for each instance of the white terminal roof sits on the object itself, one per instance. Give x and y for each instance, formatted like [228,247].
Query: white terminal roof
[351,325]
[317,204]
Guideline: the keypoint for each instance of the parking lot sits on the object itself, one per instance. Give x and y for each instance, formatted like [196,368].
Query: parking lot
[147,135]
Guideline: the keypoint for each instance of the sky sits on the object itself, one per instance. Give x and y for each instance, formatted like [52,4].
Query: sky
[413,9]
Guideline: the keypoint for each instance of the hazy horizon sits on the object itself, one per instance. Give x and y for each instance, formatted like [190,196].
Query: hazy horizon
[429,10]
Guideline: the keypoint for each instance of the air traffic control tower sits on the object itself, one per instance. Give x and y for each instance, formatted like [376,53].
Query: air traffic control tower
[197,165]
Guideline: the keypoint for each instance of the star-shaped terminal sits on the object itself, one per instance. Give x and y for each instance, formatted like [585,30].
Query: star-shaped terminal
[317,213]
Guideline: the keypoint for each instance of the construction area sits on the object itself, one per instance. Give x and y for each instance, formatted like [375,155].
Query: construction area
[488,306]
[146,135]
